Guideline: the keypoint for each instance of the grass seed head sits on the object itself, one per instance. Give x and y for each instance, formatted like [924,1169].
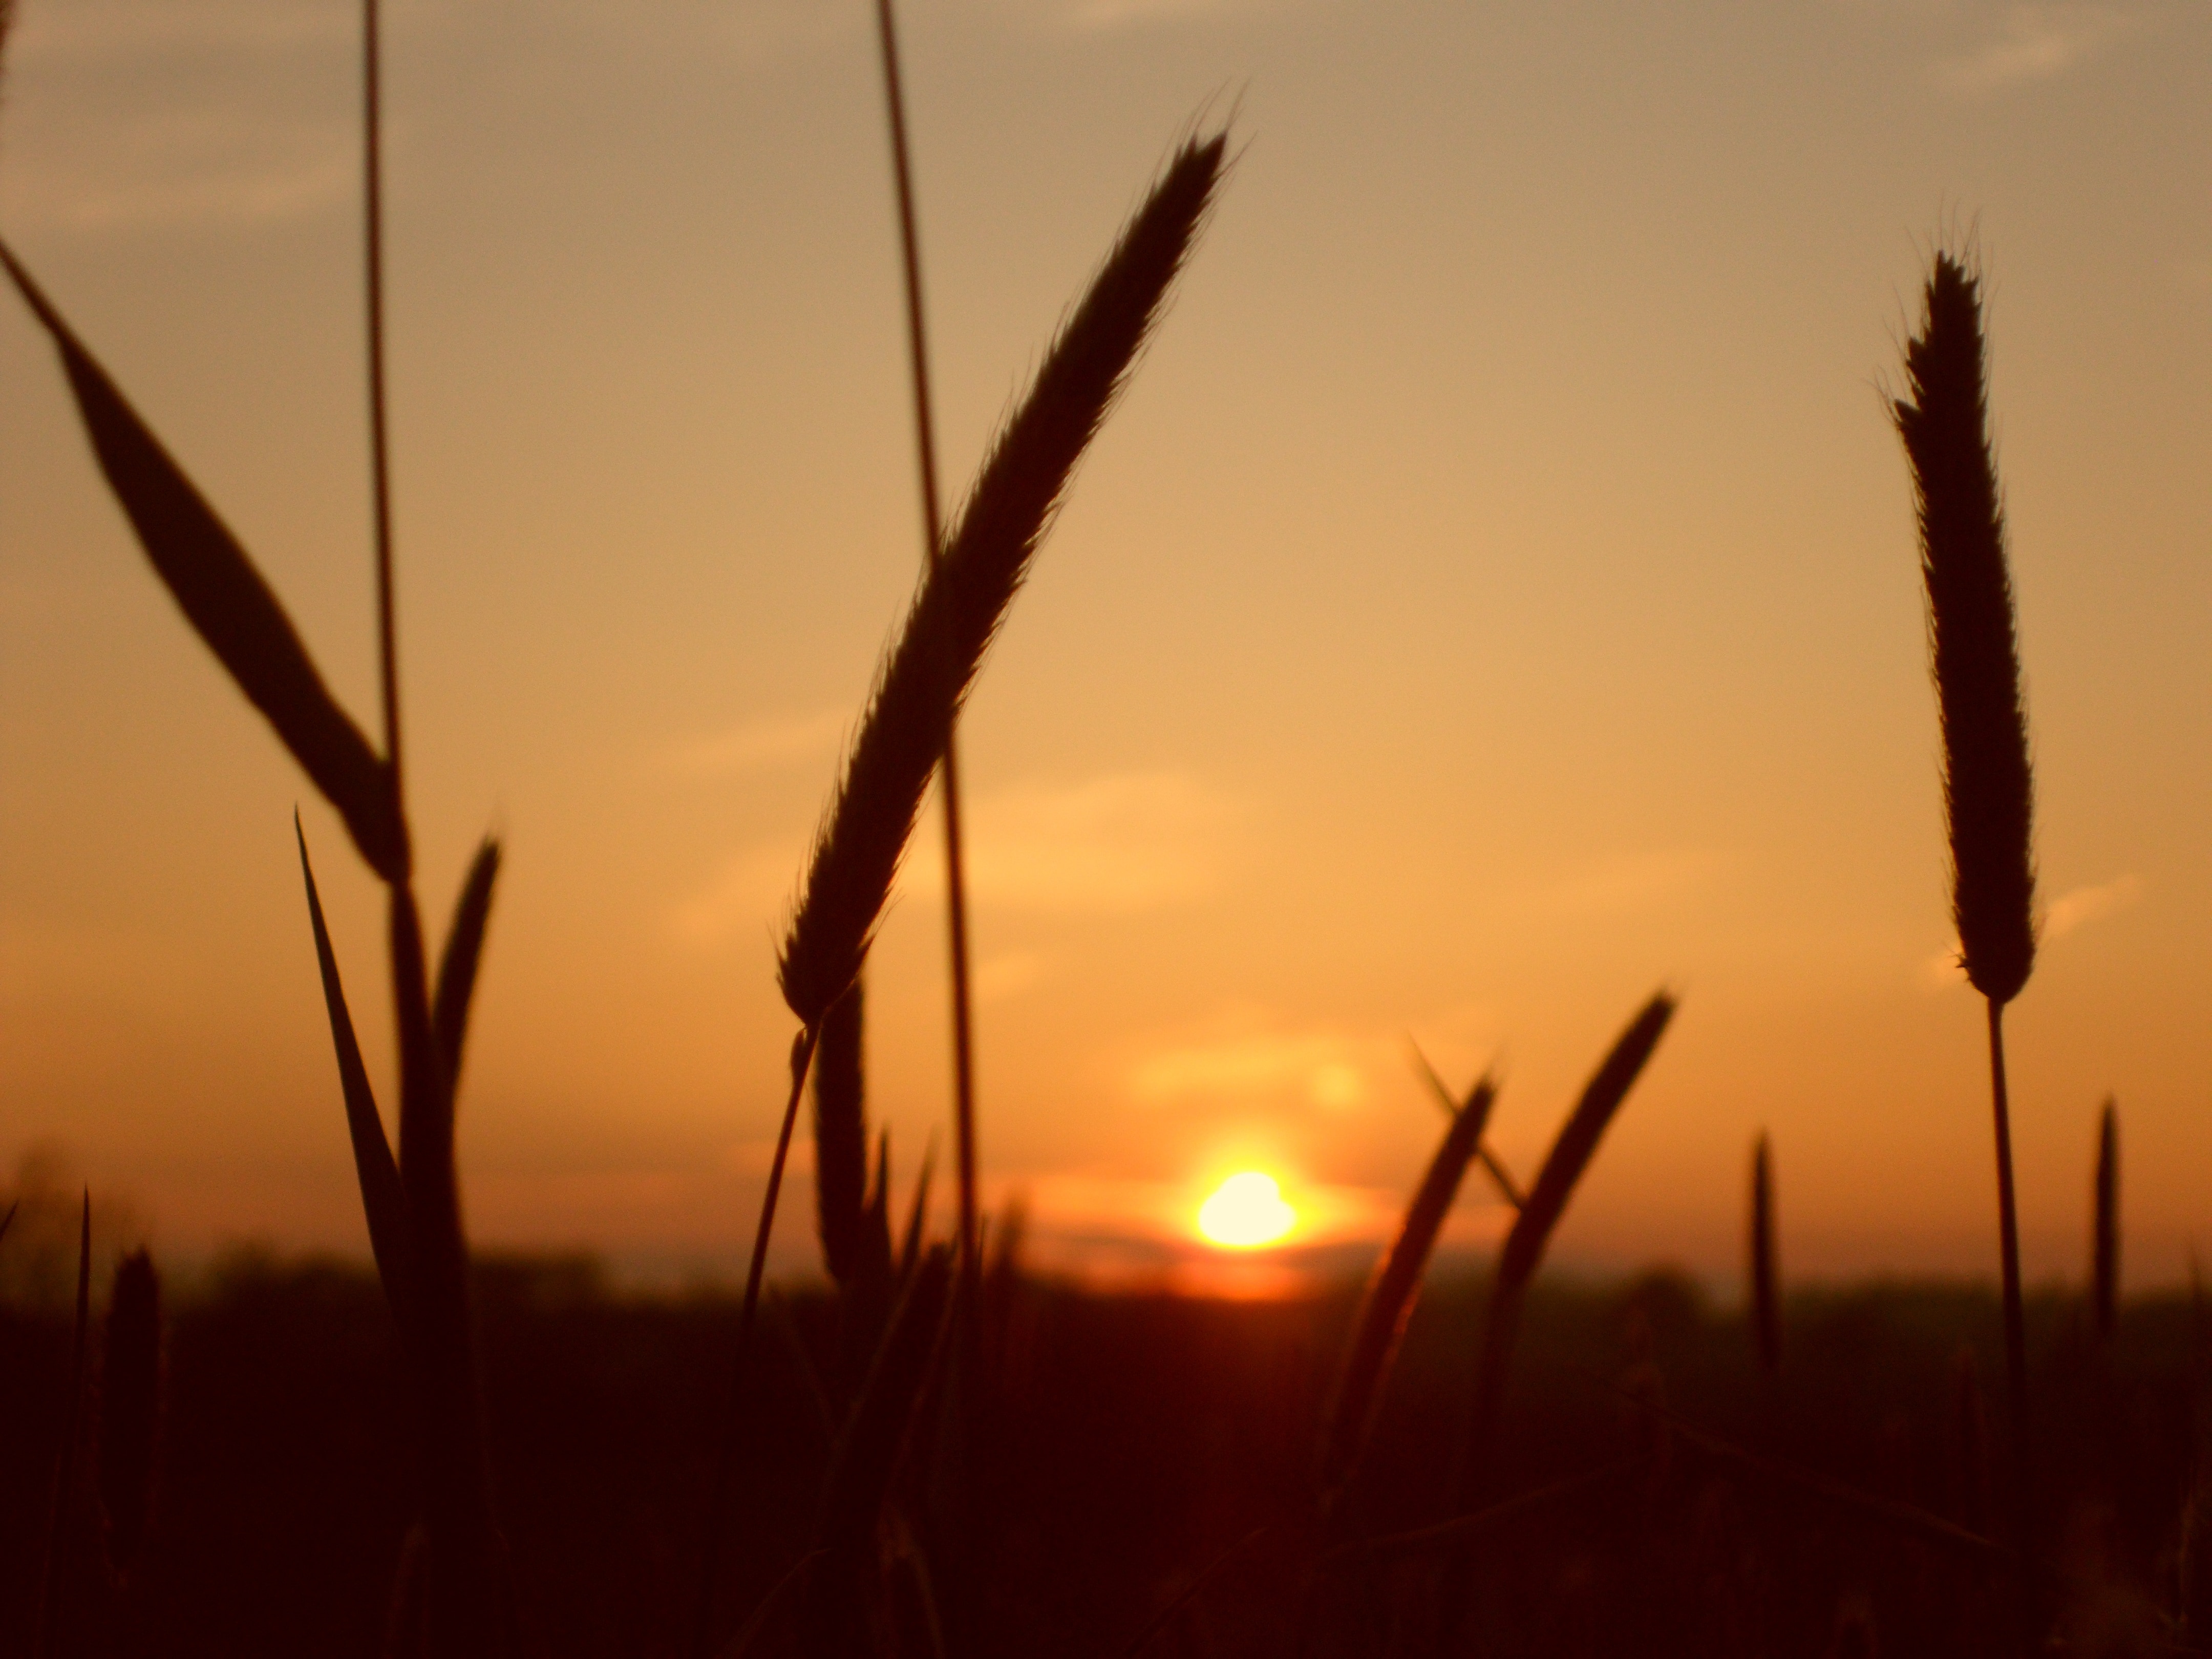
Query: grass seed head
[965,593]
[1988,784]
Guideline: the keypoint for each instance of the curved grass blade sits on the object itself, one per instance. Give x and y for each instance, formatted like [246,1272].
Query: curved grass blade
[457,966]
[469,1587]
[965,593]
[875,1275]
[840,1139]
[8,1219]
[917,1215]
[1532,1229]
[227,603]
[383,1199]
[1508,1188]
[1389,1303]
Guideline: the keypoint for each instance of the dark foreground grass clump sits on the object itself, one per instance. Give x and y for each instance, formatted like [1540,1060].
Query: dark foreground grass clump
[1140,1437]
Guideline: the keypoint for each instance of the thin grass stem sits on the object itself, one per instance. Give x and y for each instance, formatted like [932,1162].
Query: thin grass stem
[2015,1323]
[387,641]
[2104,1253]
[933,526]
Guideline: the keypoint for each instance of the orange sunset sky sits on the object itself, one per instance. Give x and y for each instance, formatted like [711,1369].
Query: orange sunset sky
[1495,599]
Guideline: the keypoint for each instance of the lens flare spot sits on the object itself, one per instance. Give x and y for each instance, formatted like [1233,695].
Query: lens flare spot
[1246,1212]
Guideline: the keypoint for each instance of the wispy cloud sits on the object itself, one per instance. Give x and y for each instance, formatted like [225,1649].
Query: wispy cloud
[1112,846]
[2035,42]
[2083,905]
[757,746]
[1255,1062]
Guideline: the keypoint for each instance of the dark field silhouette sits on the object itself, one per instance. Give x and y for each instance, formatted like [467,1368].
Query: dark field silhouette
[938,1454]
[1129,1442]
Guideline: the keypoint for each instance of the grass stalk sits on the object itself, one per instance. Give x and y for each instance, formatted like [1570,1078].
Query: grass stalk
[1502,1178]
[2105,1265]
[388,641]
[966,591]
[1523,1250]
[932,530]
[1387,1305]
[1765,1268]
[1988,781]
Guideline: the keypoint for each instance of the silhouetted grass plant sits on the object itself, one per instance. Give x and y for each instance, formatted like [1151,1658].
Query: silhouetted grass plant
[413,1202]
[929,1337]
[1989,791]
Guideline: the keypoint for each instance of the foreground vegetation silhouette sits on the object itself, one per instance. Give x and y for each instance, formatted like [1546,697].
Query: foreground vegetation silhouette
[940,1455]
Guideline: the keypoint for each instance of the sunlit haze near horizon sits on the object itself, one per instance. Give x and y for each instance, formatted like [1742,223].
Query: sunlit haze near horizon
[1495,600]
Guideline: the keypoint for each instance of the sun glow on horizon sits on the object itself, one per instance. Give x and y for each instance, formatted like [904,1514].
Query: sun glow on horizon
[1245,1211]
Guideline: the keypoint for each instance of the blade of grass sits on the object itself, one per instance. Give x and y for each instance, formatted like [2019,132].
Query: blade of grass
[227,602]
[917,1215]
[467,1587]
[876,1228]
[383,1199]
[1532,1229]
[2105,1270]
[464,953]
[1508,1188]
[8,1220]
[1380,1325]
[64,1495]
[1765,1273]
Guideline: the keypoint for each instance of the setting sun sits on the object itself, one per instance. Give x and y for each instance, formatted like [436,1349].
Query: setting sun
[1246,1211]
